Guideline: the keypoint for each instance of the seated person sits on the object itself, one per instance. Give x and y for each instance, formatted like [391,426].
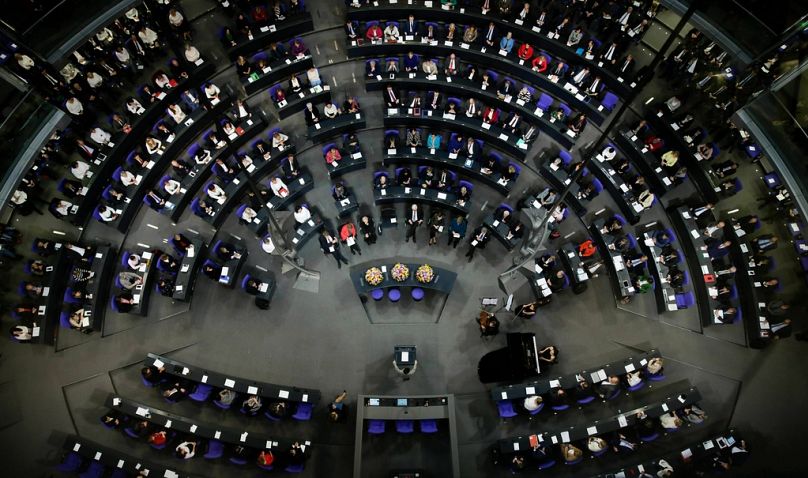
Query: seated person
[227,252]
[381,182]
[168,263]
[176,391]
[404,178]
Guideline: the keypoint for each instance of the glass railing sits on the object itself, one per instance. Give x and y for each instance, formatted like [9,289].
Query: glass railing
[19,126]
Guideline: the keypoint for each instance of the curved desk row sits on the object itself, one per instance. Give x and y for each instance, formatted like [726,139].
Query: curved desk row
[622,285]
[98,287]
[49,304]
[291,27]
[275,72]
[349,162]
[304,232]
[663,291]
[661,120]
[231,267]
[698,262]
[297,188]
[753,301]
[464,88]
[624,420]
[329,128]
[593,376]
[559,179]
[645,161]
[148,270]
[571,261]
[189,269]
[500,230]
[236,188]
[162,419]
[618,190]
[295,103]
[190,184]
[623,87]
[432,197]
[117,460]
[218,380]
[474,127]
[125,143]
[450,161]
[184,136]
[442,282]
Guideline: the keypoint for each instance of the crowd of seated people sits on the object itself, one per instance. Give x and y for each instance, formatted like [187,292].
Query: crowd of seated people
[253,17]
[253,68]
[314,116]
[620,242]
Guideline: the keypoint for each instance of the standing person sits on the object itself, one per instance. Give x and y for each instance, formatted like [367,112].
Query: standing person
[414,219]
[435,226]
[478,240]
[347,234]
[330,245]
[368,229]
[406,372]
[337,411]
[457,230]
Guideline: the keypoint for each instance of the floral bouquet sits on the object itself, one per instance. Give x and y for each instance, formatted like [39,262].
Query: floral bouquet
[400,272]
[425,274]
[374,276]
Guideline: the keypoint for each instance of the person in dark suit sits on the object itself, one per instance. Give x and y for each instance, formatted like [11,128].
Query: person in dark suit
[410,27]
[415,217]
[479,239]
[781,330]
[291,167]
[329,244]
[312,114]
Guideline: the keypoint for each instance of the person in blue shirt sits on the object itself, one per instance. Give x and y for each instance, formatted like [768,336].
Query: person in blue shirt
[457,230]
[433,141]
[456,143]
[506,43]
[411,62]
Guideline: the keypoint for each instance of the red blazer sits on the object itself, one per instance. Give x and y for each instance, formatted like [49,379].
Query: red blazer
[346,231]
[493,112]
[525,51]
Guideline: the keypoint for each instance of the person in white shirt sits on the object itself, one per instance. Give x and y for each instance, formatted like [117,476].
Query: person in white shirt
[532,403]
[186,450]
[633,378]
[148,37]
[105,36]
[216,193]
[100,136]
[330,110]
[314,77]
[608,153]
[202,157]
[267,245]
[128,179]
[670,421]
[212,91]
[133,15]
[79,169]
[134,107]
[107,214]
[302,214]
[391,33]
[172,186]
[176,113]
[279,140]
[248,214]
[278,187]
[191,53]
[74,106]
[153,145]
[94,79]
[162,81]
[596,444]
[25,61]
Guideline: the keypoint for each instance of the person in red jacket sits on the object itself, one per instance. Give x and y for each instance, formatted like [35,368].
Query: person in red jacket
[525,51]
[540,63]
[490,115]
[347,234]
[374,33]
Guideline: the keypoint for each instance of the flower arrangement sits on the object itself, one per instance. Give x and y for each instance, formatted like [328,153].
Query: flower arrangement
[400,272]
[425,274]
[374,276]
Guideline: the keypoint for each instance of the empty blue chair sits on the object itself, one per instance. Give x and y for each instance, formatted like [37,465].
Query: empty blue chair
[376,427]
[71,463]
[685,300]
[585,400]
[657,377]
[574,462]
[95,470]
[64,320]
[566,109]
[377,294]
[505,409]
[202,393]
[614,394]
[772,180]
[215,450]
[417,294]
[271,417]
[545,101]
[634,388]
[559,408]
[131,432]
[566,157]
[428,426]
[394,294]
[238,460]
[686,279]
[547,464]
[597,185]
[752,150]
[609,101]
[116,175]
[405,426]
[303,412]
[650,437]
[298,468]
